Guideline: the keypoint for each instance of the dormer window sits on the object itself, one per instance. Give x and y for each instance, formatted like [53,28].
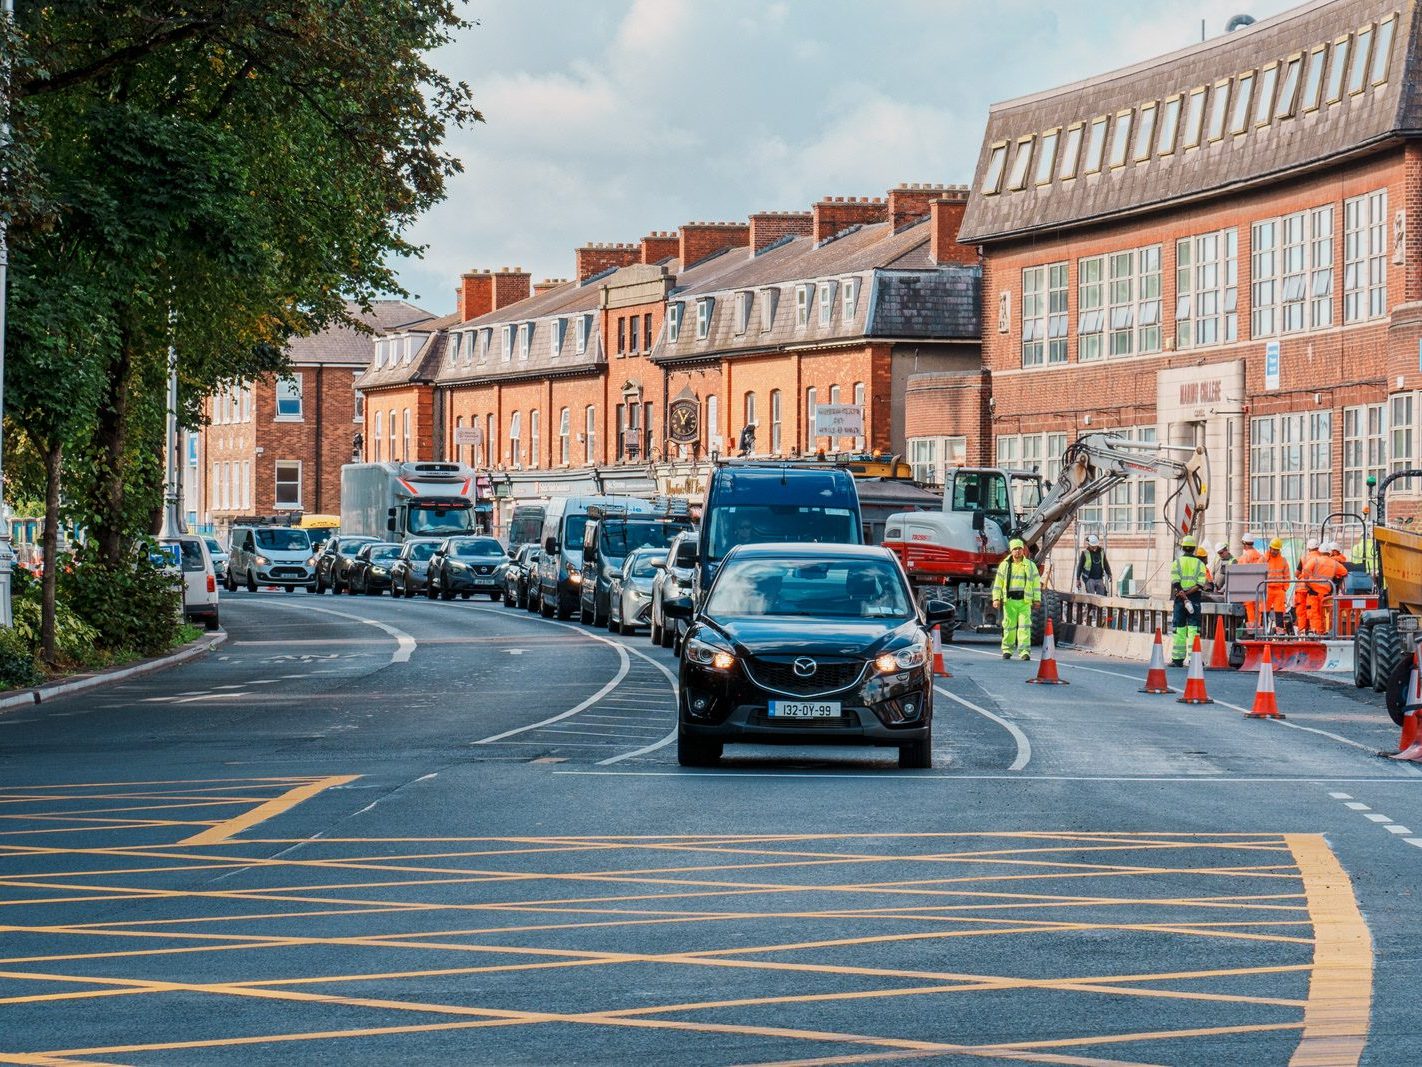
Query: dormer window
[510,335]
[803,295]
[826,302]
[769,298]
[850,288]
[1018,178]
[997,162]
[409,348]
[743,311]
[525,339]
[486,341]
[703,318]
[582,339]
[379,354]
[674,323]
[560,330]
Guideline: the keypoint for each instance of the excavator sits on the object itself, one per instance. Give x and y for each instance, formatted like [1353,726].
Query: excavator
[952,554]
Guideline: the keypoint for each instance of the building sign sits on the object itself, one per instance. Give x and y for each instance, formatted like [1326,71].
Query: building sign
[1271,365]
[839,420]
[468,435]
[1193,394]
[1399,237]
[684,420]
[1004,311]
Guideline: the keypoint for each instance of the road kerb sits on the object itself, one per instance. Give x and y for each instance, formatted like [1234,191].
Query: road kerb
[22,698]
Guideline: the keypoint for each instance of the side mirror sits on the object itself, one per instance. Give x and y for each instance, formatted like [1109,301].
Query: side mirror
[939,613]
[659,565]
[390,522]
[550,545]
[678,607]
[980,521]
[589,553]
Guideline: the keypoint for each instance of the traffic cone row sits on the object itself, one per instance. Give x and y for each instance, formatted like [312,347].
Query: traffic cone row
[939,670]
[1047,668]
[1265,704]
[1195,679]
[1219,648]
[1409,745]
[1155,676]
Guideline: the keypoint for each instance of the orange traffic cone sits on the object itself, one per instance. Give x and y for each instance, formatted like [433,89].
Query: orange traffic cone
[939,670]
[1409,745]
[1195,679]
[1155,676]
[1219,648]
[1265,706]
[1047,668]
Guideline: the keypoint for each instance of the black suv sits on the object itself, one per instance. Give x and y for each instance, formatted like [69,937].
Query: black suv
[463,566]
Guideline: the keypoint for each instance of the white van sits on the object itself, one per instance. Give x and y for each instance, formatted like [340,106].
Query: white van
[199,580]
[270,555]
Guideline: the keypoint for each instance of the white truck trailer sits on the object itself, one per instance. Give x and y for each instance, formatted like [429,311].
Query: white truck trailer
[395,501]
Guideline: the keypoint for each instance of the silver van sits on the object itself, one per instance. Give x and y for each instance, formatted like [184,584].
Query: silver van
[270,555]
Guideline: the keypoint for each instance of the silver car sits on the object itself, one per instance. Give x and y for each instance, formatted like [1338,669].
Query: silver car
[673,580]
[629,597]
[218,554]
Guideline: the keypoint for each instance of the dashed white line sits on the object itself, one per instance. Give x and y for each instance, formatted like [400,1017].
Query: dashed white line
[1357,805]
[1397,829]
[1373,816]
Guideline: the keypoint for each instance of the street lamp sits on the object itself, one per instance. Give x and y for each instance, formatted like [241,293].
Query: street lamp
[7,554]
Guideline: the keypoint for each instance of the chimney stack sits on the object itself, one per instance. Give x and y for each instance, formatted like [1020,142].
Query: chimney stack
[511,285]
[475,295]
[767,227]
[699,240]
[596,258]
[835,214]
[911,201]
[945,220]
[548,285]
[659,245]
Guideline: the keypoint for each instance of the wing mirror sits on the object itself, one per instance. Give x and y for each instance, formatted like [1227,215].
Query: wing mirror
[550,545]
[678,607]
[937,613]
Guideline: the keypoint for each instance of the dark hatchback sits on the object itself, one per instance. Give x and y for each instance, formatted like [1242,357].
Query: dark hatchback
[462,566]
[807,644]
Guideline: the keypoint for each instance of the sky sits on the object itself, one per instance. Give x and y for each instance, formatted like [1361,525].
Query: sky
[608,119]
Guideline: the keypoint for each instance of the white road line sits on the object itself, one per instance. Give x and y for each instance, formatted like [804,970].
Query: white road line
[1414,841]
[1373,816]
[1024,747]
[1340,796]
[623,664]
[995,778]
[1357,805]
[671,736]
[1396,829]
[405,644]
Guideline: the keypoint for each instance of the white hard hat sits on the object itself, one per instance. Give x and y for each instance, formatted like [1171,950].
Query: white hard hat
[1312,543]
[1328,546]
[1223,546]
[1092,539]
[1250,538]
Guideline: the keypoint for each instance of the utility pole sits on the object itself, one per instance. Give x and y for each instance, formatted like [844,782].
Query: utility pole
[172,520]
[7,554]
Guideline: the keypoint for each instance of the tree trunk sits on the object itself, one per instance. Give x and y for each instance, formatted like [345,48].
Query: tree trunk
[53,466]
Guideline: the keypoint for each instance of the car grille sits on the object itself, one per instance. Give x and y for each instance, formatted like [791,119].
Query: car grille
[839,722]
[288,572]
[483,570]
[832,674]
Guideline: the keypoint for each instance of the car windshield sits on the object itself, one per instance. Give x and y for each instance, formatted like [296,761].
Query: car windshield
[749,524]
[839,589]
[641,565]
[279,540]
[351,545]
[427,520]
[485,546]
[378,552]
[621,537]
[422,551]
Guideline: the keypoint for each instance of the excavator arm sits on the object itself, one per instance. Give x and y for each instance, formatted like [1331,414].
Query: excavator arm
[1096,464]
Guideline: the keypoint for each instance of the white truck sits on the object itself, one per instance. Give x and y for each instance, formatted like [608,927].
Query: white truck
[395,501]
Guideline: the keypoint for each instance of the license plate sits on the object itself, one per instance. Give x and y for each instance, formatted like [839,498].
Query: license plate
[804,709]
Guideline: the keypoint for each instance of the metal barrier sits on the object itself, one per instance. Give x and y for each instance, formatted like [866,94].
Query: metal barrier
[1136,616]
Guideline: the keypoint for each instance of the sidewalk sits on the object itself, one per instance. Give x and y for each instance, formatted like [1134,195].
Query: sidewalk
[78,683]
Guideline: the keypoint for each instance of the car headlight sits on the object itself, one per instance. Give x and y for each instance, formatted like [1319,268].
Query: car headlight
[576,577]
[378,570]
[708,655]
[457,566]
[262,561]
[905,659]
[311,561]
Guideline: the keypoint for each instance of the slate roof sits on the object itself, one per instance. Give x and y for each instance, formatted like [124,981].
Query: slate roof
[346,345]
[1296,137]
[902,293]
[430,335]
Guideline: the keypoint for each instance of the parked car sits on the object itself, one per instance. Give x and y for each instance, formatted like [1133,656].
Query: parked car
[673,579]
[369,572]
[807,644]
[334,560]
[218,554]
[194,564]
[518,573]
[629,605]
[463,566]
[270,555]
[409,573]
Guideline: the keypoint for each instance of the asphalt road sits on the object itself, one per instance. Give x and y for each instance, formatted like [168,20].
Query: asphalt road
[370,831]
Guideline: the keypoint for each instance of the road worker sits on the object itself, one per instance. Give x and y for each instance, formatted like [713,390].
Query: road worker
[1223,559]
[1276,598]
[1251,554]
[1016,591]
[1093,569]
[1366,553]
[1321,571]
[1187,582]
[1302,604]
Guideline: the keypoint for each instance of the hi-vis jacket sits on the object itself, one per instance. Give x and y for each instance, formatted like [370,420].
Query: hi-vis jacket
[1015,577]
[1188,574]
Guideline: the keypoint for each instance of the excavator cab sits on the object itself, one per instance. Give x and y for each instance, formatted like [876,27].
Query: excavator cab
[1005,497]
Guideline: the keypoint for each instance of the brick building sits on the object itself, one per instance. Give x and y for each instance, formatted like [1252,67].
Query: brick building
[1214,247]
[278,445]
[399,416]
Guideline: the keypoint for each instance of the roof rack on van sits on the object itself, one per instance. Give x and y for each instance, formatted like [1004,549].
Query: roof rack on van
[672,505]
[292,518]
[607,511]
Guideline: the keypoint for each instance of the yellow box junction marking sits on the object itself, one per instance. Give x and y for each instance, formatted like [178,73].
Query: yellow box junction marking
[840,897]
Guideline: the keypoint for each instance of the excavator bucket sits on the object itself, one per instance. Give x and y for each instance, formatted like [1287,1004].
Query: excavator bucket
[1287,655]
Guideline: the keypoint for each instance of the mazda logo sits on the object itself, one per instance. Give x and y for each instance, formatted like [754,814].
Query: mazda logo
[805,667]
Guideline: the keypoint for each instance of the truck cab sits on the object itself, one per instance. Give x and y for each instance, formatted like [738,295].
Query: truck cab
[611,535]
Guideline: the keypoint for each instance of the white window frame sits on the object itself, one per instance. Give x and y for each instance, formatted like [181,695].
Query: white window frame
[1090,308]
[775,422]
[704,307]
[769,299]
[1131,507]
[510,336]
[1291,468]
[804,293]
[1364,453]
[996,167]
[535,437]
[1096,144]
[516,440]
[673,322]
[1359,66]
[1046,157]
[590,434]
[932,457]
[1365,255]
[1207,289]
[1132,316]
[826,302]
[565,434]
[288,505]
[1382,50]
[849,290]
[864,413]
[1311,88]
[1192,121]
[375,438]
[743,311]
[1044,315]
[560,331]
[525,340]
[1071,151]
[288,389]
[1021,159]
[405,438]
[1291,273]
[1338,70]
[812,404]
[713,424]
[1243,103]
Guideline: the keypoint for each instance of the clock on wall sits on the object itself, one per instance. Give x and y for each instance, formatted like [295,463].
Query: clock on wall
[684,420]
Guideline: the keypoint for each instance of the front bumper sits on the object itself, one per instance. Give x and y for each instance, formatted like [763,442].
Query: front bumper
[285,574]
[469,582]
[881,709]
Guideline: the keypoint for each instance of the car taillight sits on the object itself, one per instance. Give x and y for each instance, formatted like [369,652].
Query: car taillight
[211,584]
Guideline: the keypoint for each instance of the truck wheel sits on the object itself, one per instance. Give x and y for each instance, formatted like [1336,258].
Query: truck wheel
[1387,650]
[1396,692]
[1363,657]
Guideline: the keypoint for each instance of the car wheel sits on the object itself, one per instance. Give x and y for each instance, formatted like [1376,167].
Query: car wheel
[288,588]
[694,752]
[510,600]
[545,609]
[251,582]
[584,616]
[656,632]
[561,612]
[446,594]
[372,590]
[318,585]
[313,587]
[229,582]
[613,625]
[464,596]
[917,755]
[1363,657]
[533,603]
[496,597]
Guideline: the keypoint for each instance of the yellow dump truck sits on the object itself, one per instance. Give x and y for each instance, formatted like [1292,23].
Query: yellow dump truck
[1386,638]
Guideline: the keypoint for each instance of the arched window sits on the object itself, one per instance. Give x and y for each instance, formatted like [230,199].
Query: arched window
[405,434]
[812,404]
[590,433]
[747,443]
[859,400]
[775,421]
[393,455]
[375,437]
[535,438]
[565,426]
[713,425]
[515,432]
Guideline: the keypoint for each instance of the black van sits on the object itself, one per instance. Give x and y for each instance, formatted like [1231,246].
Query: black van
[760,503]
